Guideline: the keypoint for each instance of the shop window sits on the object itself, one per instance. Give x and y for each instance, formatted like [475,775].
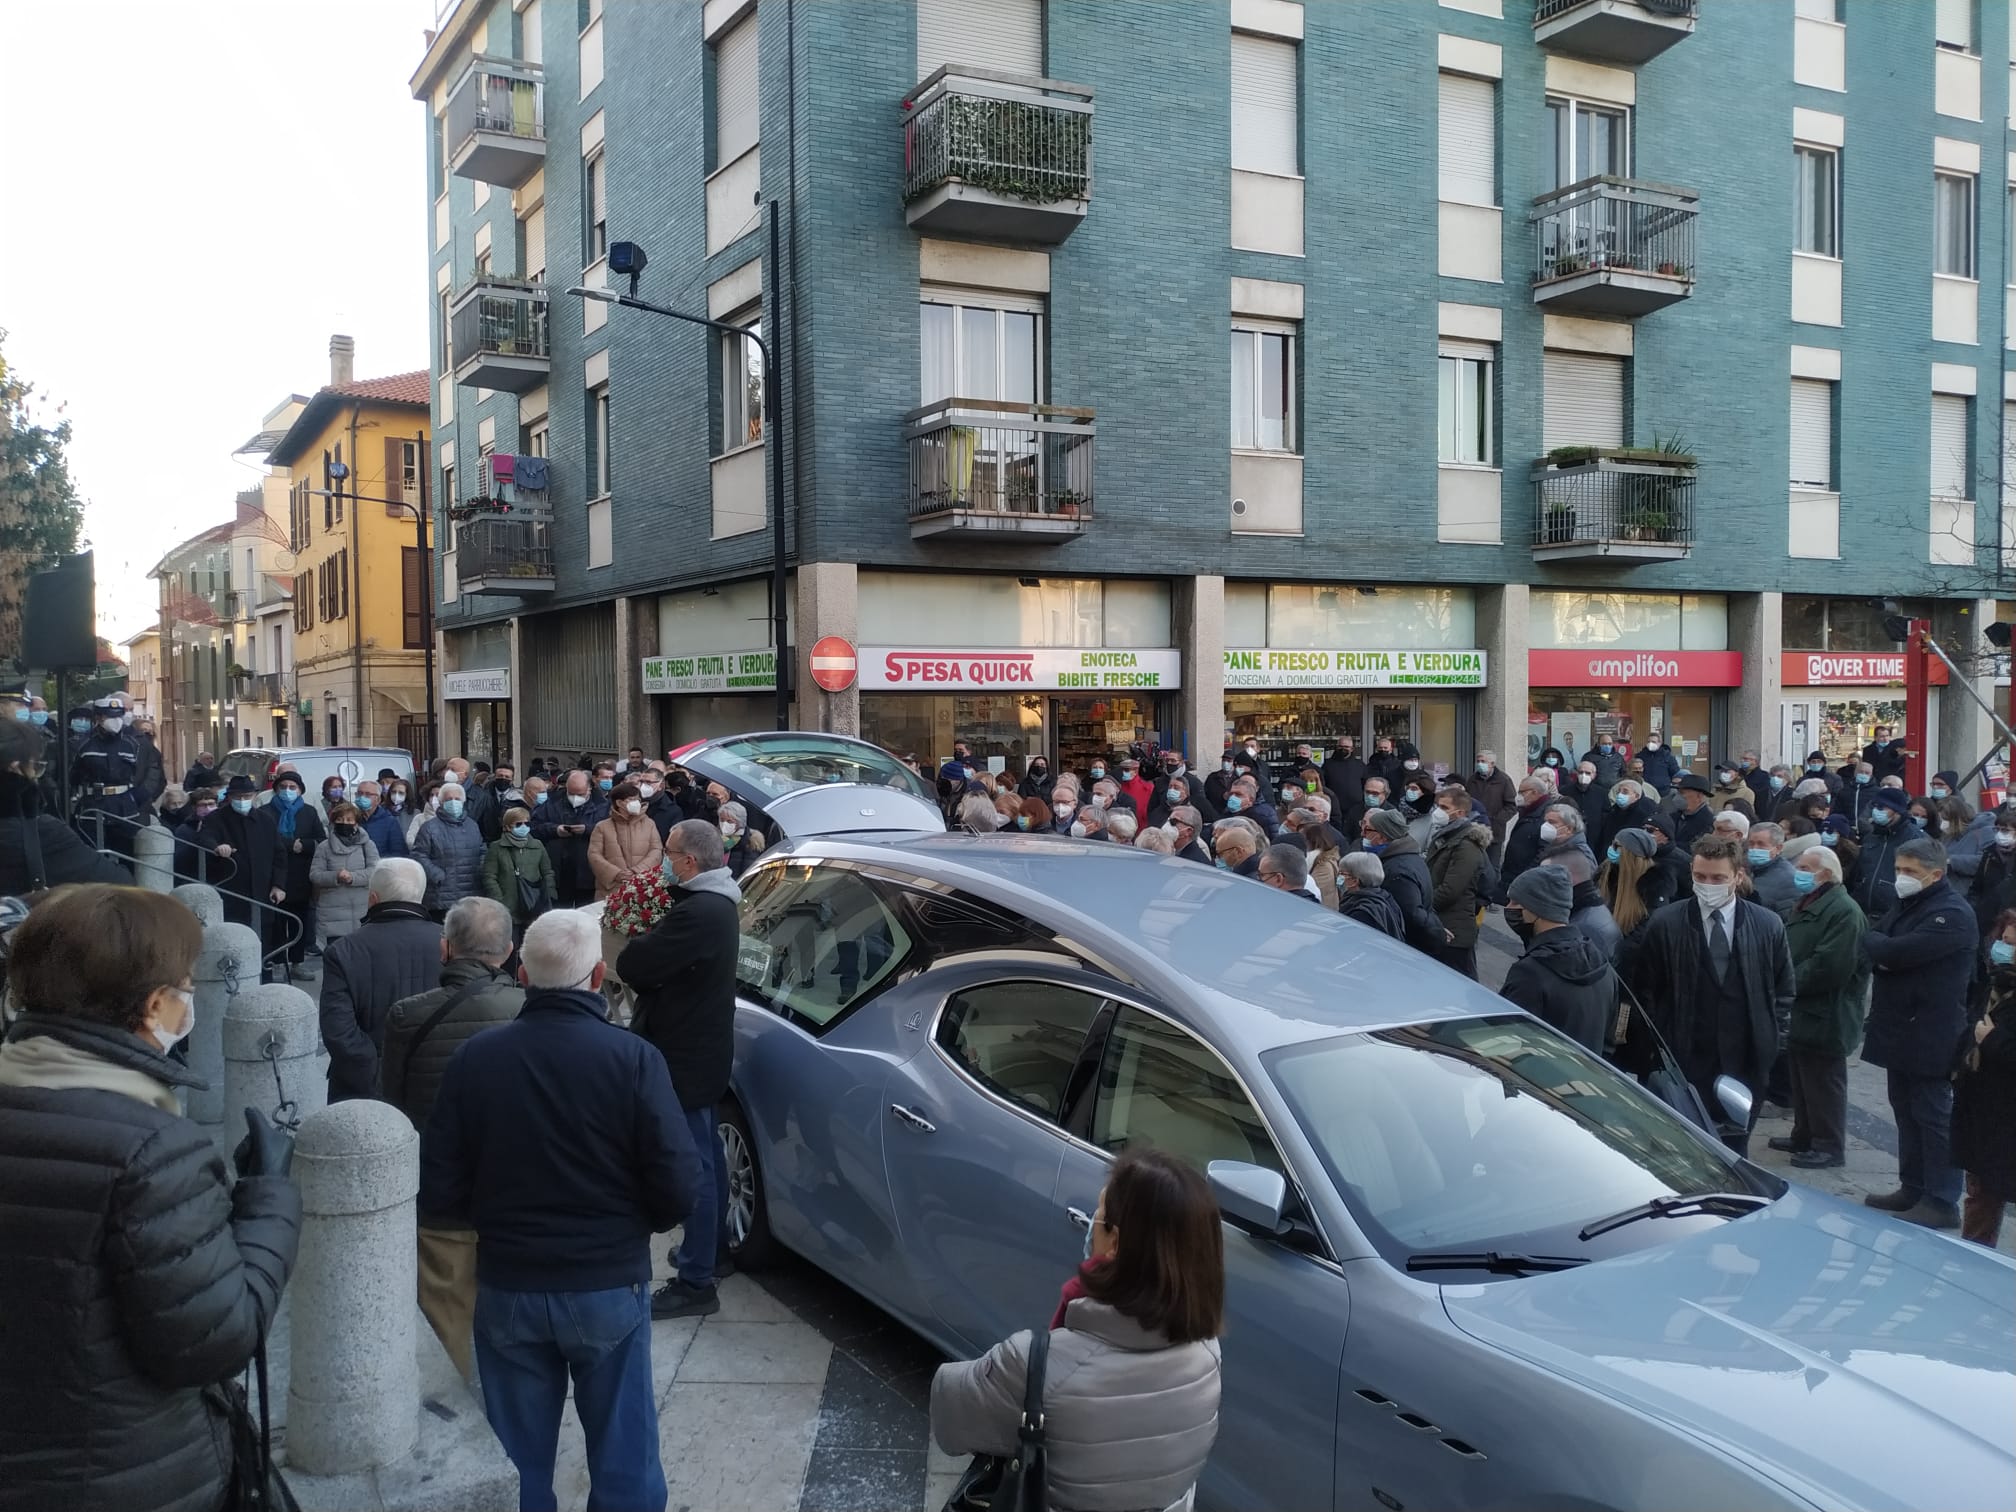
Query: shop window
[1629,621]
[1802,622]
[1343,614]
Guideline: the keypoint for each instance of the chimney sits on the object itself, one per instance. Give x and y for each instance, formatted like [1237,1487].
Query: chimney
[342,360]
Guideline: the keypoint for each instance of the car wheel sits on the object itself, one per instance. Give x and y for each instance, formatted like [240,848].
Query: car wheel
[746,1221]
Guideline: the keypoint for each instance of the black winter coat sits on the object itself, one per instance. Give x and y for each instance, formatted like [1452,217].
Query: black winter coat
[1666,976]
[1923,953]
[1984,1098]
[395,953]
[135,1273]
[253,843]
[570,852]
[1413,889]
[1563,980]
[683,972]
[1616,820]
[414,1066]
[1993,887]
[65,857]
[1375,908]
[1344,776]
[292,858]
[1874,884]
[1687,828]
[1522,845]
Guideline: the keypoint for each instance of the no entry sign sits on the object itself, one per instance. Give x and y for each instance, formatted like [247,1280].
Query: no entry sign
[834,663]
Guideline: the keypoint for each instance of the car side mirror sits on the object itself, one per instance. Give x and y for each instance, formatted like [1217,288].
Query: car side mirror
[1250,1194]
[1735,1100]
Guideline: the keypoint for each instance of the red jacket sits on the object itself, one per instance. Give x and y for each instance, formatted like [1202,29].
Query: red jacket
[1142,791]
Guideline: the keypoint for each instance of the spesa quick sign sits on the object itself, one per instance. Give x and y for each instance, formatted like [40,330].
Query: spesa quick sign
[1074,669]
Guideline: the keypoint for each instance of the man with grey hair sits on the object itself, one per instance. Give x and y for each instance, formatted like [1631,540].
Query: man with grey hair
[1285,868]
[394,954]
[1362,895]
[1122,826]
[1824,934]
[1181,827]
[422,1034]
[557,1138]
[683,972]
[1770,876]
[450,849]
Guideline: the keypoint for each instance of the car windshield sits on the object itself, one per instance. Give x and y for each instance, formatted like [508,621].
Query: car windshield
[1477,1134]
[774,765]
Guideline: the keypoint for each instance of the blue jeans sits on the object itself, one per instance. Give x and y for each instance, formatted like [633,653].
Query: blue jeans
[527,1345]
[700,1244]
[1923,1108]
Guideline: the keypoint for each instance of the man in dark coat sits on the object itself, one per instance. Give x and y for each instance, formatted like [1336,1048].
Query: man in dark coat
[203,772]
[563,824]
[395,953]
[1668,856]
[1563,978]
[1661,765]
[1384,833]
[1522,837]
[1385,761]
[298,829]
[65,858]
[1715,976]
[1496,795]
[116,773]
[1695,818]
[1628,808]
[1922,951]
[1891,828]
[1362,895]
[1344,775]
[683,972]
[1885,754]
[241,833]
[1188,822]
[1607,759]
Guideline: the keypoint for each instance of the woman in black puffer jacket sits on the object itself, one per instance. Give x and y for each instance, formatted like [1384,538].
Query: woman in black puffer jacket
[134,1272]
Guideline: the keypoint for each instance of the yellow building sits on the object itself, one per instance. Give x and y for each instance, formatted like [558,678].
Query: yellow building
[359,568]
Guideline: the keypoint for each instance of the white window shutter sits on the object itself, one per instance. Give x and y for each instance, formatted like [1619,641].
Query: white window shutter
[1584,400]
[535,242]
[1265,138]
[1469,140]
[1954,20]
[1949,447]
[1812,433]
[1000,34]
[736,116]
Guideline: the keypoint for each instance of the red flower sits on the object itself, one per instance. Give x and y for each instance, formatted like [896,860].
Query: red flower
[635,904]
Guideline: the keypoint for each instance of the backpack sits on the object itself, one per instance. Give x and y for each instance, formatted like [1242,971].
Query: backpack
[1488,882]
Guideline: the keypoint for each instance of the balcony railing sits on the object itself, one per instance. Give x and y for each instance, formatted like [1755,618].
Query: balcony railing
[502,335]
[1628,505]
[997,155]
[1629,32]
[994,467]
[505,554]
[1614,246]
[258,687]
[496,125]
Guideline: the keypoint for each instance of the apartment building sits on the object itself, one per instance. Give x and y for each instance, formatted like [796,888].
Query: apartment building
[1486,373]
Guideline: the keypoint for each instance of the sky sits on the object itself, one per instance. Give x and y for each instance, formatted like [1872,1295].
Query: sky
[198,195]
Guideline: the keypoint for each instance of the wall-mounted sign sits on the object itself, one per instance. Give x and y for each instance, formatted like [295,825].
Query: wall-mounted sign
[1260,667]
[1054,670]
[1833,669]
[1634,669]
[712,672]
[482,682]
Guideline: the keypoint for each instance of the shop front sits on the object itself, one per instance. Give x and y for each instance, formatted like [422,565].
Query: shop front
[702,695]
[1835,700]
[1579,698]
[479,712]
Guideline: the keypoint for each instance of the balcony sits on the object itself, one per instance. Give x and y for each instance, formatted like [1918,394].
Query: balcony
[501,335]
[258,688]
[1613,246]
[511,554]
[998,469]
[496,127]
[997,156]
[1624,32]
[1625,505]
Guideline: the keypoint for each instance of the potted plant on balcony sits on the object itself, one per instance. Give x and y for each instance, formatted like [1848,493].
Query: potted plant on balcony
[1068,502]
[523,569]
[1572,456]
[1672,269]
[1558,524]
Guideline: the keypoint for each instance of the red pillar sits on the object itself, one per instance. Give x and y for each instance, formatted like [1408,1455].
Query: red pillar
[1915,705]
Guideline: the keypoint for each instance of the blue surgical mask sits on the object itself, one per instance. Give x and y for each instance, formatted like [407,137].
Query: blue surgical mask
[1553,761]
[80,727]
[366,803]
[1804,881]
[1378,849]
[1234,803]
[1942,792]
[2002,952]
[665,870]
[286,797]
[1757,857]
[1816,767]
[1777,783]
[521,831]
[1098,772]
[1881,817]
[1604,745]
[605,783]
[539,800]
[241,805]
[1175,795]
[38,716]
[1622,800]
[1022,821]
[21,713]
[1614,854]
[451,808]
[1829,838]
[1862,778]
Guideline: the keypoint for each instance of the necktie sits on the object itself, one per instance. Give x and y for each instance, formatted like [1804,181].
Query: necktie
[1718,945]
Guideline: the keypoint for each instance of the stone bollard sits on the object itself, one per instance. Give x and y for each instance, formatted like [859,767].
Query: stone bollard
[154,858]
[227,964]
[354,1402]
[202,900]
[287,1087]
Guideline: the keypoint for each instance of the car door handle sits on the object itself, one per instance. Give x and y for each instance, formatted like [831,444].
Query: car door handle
[916,1121]
[1079,1217]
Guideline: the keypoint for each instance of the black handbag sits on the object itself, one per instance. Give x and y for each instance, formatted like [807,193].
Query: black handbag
[256,1482]
[1018,1483]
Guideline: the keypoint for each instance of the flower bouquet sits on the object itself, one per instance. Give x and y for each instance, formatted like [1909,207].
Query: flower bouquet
[635,904]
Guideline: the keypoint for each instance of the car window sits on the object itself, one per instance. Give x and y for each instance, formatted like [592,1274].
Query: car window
[1161,1086]
[774,765]
[1020,1039]
[817,940]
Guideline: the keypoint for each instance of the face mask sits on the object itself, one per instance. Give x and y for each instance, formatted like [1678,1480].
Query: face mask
[1757,857]
[1604,745]
[1174,795]
[451,808]
[114,726]
[1585,778]
[434,804]
[1412,766]
[1252,748]
[2005,839]
[2002,953]
[1098,772]
[1714,895]
[21,714]
[241,805]
[1727,778]
[1080,831]
[1651,745]
[168,1040]
[1777,783]
[205,810]
[346,832]
[1483,769]
[1234,803]
[1377,847]
[1439,818]
[1614,855]
[1171,768]
[605,783]
[647,792]
[1413,795]
[1829,839]
[332,795]
[287,797]
[80,726]
[1066,810]
[1816,767]
[633,807]
[366,803]
[1228,767]
[521,831]
[1942,792]
[1553,761]
[1881,818]
[1221,864]
[665,870]
[1128,774]
[1622,800]
[1549,832]
[1862,778]
[730,831]
[577,799]
[538,800]
[1805,881]
[1039,770]
[1909,887]
[397,800]
[1170,830]
[1310,787]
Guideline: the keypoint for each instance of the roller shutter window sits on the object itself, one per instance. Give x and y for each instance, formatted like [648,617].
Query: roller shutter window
[533,258]
[1265,134]
[1812,433]
[999,34]
[1950,474]
[737,123]
[1584,400]
[1469,139]
[1954,25]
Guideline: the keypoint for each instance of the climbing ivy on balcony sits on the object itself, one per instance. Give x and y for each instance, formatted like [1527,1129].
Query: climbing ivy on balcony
[1013,148]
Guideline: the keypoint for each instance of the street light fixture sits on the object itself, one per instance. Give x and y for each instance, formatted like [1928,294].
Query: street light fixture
[630,258]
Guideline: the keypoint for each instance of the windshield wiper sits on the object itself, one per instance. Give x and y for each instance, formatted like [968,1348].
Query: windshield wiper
[1726,1204]
[1499,1262]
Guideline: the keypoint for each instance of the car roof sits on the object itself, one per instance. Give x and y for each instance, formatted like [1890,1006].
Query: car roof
[1173,926]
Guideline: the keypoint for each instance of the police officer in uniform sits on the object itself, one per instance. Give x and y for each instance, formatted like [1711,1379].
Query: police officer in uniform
[116,773]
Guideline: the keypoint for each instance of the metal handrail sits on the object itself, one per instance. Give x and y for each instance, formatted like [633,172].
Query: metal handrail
[98,818]
[1680,10]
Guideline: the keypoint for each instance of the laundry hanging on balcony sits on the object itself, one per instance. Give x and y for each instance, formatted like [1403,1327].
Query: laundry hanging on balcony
[532,473]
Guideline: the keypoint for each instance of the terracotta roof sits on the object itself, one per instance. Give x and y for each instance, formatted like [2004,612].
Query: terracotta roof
[408,389]
[400,388]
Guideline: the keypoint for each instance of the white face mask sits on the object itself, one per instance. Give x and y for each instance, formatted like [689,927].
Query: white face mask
[647,791]
[730,831]
[1909,887]
[2005,839]
[1080,830]
[114,725]
[1412,766]
[632,807]
[577,799]
[1713,895]
[1172,832]
[169,1040]
[1549,832]
[1441,817]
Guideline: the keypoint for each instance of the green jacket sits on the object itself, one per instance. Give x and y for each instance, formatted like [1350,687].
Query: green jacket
[1825,935]
[511,859]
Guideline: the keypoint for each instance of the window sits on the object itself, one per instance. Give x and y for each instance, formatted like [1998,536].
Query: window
[817,941]
[1813,433]
[1469,140]
[1465,403]
[412,597]
[1160,1088]
[2009,237]
[1952,473]
[1587,140]
[742,384]
[1817,200]
[337,487]
[343,583]
[586,13]
[1817,10]
[737,117]
[598,442]
[532,244]
[438,156]
[1020,1040]
[409,470]
[1266,130]
[1953,224]
[533,441]
[1006,34]
[976,350]
[443,300]
[1953,25]
[1263,388]
[595,208]
[1582,400]
[531,44]
[483,263]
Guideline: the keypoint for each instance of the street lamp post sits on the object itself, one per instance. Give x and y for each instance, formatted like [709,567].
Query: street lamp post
[632,262]
[426,587]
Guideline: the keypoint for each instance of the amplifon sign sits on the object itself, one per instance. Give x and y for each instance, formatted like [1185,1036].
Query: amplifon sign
[1259,667]
[712,672]
[1830,669]
[1054,670]
[1634,669]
